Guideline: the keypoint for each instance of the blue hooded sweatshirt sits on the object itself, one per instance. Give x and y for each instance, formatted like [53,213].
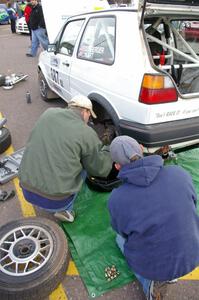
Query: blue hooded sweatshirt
[155,211]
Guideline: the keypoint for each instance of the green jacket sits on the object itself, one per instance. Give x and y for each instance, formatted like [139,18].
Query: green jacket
[60,146]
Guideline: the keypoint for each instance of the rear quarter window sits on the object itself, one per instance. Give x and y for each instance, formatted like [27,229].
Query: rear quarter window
[98,41]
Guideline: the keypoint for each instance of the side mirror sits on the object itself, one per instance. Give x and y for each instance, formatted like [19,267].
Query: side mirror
[52,48]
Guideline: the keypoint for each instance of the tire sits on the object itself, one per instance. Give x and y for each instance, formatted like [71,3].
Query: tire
[39,248]
[5,139]
[46,93]
[2,80]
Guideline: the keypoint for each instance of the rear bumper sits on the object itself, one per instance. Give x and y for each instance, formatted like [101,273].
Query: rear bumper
[157,135]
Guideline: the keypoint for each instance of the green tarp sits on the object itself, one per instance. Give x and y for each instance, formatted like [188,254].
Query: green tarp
[92,241]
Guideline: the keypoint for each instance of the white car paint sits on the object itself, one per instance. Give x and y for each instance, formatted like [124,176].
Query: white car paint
[21,26]
[116,87]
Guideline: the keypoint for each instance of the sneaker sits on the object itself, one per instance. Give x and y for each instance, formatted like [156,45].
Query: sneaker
[29,55]
[65,216]
[157,290]
[173,281]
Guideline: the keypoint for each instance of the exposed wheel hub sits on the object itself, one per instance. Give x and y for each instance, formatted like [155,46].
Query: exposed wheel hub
[24,248]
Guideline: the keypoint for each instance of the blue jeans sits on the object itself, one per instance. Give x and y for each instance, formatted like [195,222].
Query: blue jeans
[47,204]
[146,283]
[38,37]
[68,207]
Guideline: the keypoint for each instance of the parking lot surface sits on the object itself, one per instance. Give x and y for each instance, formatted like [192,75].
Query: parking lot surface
[21,117]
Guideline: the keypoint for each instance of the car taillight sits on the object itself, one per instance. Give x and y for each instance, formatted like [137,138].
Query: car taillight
[157,89]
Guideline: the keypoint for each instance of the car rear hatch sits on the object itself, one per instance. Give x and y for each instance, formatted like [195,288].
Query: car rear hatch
[172,36]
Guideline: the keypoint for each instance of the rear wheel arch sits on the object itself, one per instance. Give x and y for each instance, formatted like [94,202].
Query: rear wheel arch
[103,109]
[107,123]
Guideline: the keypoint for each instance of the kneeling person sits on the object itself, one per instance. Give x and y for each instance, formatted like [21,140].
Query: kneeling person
[60,147]
[154,214]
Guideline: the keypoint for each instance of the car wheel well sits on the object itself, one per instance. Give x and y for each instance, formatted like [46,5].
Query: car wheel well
[104,124]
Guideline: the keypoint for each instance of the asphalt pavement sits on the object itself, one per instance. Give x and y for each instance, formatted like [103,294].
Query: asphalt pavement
[21,117]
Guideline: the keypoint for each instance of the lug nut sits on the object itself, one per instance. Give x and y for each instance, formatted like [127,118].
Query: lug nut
[111,273]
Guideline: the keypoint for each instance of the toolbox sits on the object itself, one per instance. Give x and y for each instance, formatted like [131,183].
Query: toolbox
[9,166]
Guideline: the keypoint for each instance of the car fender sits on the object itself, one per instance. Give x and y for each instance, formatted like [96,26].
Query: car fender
[103,102]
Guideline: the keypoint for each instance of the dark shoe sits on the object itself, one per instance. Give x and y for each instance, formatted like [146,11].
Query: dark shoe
[157,290]
[65,216]
[29,55]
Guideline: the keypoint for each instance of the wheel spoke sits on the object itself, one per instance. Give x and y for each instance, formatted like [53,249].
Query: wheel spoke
[23,232]
[9,263]
[45,247]
[41,255]
[15,236]
[31,232]
[7,242]
[35,262]
[44,240]
[5,250]
[5,257]
[26,267]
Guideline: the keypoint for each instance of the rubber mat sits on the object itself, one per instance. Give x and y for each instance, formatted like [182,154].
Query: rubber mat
[92,240]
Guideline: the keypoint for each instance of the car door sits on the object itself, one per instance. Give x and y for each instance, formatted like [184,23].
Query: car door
[61,60]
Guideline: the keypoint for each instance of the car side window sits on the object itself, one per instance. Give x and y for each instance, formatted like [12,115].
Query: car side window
[69,37]
[98,41]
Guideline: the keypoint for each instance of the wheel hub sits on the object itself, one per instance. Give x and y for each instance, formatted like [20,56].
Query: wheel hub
[24,248]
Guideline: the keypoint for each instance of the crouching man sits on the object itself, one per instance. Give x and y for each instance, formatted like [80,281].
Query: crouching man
[155,217]
[60,147]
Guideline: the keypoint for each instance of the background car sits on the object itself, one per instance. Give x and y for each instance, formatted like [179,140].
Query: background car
[4,16]
[191,30]
[21,26]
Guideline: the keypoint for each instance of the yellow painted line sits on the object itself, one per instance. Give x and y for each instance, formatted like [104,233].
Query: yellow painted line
[72,270]
[58,294]
[194,275]
[27,208]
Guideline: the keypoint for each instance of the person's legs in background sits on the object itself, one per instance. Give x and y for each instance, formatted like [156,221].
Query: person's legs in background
[30,31]
[42,37]
[35,44]
[13,25]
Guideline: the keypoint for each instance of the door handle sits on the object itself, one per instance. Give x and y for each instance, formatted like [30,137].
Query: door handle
[65,63]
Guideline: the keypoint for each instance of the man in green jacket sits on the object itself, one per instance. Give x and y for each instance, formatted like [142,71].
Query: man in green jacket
[61,146]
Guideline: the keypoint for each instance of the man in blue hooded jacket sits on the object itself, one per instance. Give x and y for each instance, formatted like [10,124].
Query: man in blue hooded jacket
[155,217]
